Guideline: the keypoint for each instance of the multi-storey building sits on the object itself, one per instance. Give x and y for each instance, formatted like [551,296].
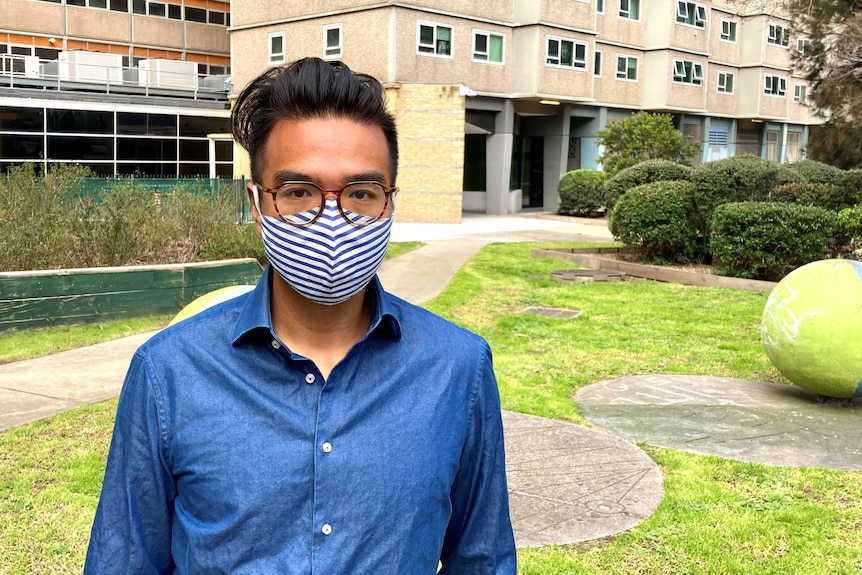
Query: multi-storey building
[495,101]
[121,86]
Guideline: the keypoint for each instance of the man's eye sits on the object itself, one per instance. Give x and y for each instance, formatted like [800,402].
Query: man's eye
[294,193]
[365,194]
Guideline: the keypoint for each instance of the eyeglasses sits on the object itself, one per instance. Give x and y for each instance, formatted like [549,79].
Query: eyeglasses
[360,203]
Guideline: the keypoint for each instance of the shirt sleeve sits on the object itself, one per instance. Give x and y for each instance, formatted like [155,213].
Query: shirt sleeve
[131,532]
[479,539]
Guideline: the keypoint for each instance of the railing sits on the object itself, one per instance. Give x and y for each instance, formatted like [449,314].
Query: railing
[17,71]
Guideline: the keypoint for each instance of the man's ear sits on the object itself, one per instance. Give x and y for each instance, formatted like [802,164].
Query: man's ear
[250,189]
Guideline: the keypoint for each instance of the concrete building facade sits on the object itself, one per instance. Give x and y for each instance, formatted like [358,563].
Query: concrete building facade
[122,86]
[495,101]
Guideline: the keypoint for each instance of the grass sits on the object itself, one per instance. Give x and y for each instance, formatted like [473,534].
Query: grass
[718,516]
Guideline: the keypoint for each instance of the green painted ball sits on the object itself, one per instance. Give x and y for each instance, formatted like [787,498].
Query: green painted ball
[812,327]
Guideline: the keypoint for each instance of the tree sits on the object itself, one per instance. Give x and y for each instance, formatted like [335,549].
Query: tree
[643,136]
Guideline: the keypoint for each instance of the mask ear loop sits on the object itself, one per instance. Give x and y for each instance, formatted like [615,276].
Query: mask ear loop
[256,194]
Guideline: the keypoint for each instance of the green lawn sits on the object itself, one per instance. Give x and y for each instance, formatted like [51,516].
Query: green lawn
[718,516]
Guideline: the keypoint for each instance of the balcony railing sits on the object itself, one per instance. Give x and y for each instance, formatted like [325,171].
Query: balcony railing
[82,72]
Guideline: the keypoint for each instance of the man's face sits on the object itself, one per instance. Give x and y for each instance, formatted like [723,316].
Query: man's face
[329,152]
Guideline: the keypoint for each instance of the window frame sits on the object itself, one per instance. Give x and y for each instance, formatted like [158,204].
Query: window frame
[627,59]
[435,42]
[803,45]
[778,35]
[340,47]
[731,31]
[696,79]
[597,64]
[575,44]
[627,12]
[721,87]
[600,6]
[770,89]
[800,94]
[488,34]
[696,20]
[273,57]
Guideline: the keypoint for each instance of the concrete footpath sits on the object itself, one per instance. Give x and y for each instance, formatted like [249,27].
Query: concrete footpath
[567,483]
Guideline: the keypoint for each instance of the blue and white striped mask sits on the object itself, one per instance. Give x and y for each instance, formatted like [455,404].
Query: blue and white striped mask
[328,261]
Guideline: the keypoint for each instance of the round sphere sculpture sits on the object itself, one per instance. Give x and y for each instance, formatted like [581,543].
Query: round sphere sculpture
[210,299]
[812,327]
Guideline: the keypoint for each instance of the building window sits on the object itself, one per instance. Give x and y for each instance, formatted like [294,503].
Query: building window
[276,48]
[775,85]
[487,47]
[600,6]
[691,14]
[332,41]
[728,30]
[627,68]
[434,39]
[566,53]
[159,9]
[725,83]
[800,94]
[630,9]
[597,64]
[688,72]
[778,35]
[803,46]
[196,15]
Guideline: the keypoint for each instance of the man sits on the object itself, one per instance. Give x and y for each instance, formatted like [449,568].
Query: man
[316,424]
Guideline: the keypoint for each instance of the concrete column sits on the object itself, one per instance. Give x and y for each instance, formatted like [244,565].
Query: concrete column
[782,150]
[704,139]
[804,143]
[556,156]
[498,161]
[731,138]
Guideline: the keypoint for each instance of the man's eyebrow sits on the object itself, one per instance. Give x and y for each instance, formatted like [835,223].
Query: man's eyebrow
[291,176]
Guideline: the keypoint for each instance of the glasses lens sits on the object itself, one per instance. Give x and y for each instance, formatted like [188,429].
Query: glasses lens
[298,199]
[364,202]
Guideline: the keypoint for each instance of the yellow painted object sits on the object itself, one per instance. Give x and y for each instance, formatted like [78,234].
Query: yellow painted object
[210,299]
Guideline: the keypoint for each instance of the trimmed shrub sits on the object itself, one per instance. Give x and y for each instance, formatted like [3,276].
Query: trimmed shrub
[768,240]
[816,172]
[736,179]
[829,196]
[655,219]
[851,181]
[581,193]
[848,231]
[644,173]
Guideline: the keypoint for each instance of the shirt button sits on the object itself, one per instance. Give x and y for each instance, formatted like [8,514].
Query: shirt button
[275,344]
[327,447]
[326,529]
[309,378]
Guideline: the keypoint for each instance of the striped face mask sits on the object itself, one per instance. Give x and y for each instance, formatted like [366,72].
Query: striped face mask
[328,261]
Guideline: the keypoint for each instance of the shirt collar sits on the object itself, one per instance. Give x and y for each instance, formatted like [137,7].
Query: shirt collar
[256,313]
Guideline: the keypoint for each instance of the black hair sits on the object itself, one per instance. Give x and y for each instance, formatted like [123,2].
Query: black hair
[306,89]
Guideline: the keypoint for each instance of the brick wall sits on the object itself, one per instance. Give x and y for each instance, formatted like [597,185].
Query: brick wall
[430,122]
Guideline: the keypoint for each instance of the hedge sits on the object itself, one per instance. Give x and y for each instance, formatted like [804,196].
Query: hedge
[581,192]
[767,240]
[830,196]
[642,173]
[655,218]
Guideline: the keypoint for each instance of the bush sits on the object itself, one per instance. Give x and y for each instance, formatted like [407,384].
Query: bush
[768,240]
[229,241]
[655,219]
[848,231]
[816,172]
[851,182]
[644,173]
[736,179]
[829,196]
[581,192]
[643,136]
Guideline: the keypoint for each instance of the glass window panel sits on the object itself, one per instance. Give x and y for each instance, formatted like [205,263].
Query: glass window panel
[223,151]
[22,119]
[148,169]
[194,170]
[426,35]
[157,9]
[224,171]
[22,147]
[481,41]
[99,169]
[496,49]
[196,14]
[216,17]
[76,2]
[146,149]
[22,50]
[175,12]
[81,121]
[98,3]
[47,53]
[192,126]
[80,148]
[120,5]
[139,6]
[333,37]
[195,150]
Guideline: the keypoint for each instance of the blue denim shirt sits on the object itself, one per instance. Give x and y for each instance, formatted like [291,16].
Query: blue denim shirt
[231,454]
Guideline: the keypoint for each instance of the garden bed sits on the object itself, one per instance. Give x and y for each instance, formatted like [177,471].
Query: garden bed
[615,259]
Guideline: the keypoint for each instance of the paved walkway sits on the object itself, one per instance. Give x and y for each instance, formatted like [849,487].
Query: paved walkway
[568,483]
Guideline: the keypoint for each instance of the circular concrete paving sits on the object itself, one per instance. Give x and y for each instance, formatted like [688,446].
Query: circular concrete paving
[569,483]
[739,419]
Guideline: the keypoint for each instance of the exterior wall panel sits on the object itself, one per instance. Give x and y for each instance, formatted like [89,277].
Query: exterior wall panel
[35,17]
[158,32]
[87,23]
